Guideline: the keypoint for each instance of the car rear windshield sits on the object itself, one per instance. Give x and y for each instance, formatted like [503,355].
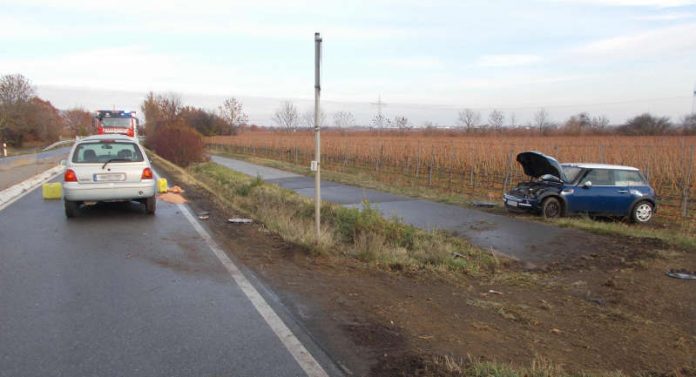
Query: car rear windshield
[103,151]
[116,122]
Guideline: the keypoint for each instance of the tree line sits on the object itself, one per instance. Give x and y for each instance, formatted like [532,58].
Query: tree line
[27,118]
[287,117]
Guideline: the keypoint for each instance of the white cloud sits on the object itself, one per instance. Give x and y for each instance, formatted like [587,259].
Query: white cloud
[633,3]
[410,63]
[672,16]
[653,43]
[507,60]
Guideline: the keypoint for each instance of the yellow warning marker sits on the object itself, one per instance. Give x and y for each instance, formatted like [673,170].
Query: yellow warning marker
[52,191]
[162,185]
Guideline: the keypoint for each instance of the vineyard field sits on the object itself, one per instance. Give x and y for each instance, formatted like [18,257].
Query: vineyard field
[482,167]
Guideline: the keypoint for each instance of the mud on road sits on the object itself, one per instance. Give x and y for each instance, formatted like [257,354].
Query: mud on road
[611,309]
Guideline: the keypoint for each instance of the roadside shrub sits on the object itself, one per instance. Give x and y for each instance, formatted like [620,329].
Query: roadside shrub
[178,144]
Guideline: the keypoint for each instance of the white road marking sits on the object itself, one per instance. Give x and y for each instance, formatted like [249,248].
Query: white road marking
[18,191]
[291,343]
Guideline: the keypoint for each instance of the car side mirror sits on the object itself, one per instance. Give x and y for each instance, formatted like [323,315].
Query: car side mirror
[587,185]
[63,163]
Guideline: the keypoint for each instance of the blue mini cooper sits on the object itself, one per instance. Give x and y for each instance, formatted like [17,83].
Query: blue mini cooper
[596,189]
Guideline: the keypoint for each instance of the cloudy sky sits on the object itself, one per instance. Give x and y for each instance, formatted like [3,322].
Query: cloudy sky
[427,59]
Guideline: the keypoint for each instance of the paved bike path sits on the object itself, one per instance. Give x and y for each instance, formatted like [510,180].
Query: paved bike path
[520,239]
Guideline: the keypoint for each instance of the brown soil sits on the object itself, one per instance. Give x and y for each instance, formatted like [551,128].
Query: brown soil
[613,310]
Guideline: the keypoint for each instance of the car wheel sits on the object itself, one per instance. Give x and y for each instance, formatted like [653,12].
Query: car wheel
[551,208]
[72,209]
[642,212]
[151,205]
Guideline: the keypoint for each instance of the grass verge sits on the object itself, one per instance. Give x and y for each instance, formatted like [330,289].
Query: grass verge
[360,233]
[540,367]
[674,237]
[356,177]
[670,237]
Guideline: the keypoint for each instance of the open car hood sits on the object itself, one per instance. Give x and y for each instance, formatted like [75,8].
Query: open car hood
[536,164]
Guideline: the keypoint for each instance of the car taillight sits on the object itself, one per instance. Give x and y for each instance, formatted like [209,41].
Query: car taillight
[130,132]
[70,176]
[147,174]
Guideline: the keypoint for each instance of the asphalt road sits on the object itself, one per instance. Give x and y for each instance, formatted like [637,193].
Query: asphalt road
[118,293]
[36,157]
[528,241]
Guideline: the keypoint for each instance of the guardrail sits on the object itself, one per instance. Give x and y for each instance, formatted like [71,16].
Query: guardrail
[61,142]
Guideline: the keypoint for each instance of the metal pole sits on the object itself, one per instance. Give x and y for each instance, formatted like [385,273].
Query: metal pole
[317,127]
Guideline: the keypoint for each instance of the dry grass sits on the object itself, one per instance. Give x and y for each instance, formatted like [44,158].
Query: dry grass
[478,166]
[442,366]
[346,232]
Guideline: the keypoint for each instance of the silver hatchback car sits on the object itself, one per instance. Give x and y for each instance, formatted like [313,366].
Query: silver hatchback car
[108,168]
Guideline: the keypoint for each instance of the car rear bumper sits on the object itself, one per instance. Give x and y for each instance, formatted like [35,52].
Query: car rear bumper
[518,202]
[108,191]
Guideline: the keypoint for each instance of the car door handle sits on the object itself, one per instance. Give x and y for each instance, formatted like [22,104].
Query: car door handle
[623,191]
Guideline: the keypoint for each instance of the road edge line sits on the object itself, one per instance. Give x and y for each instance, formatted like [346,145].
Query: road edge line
[298,351]
[18,191]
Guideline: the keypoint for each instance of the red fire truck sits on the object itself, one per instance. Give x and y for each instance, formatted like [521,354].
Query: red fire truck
[116,122]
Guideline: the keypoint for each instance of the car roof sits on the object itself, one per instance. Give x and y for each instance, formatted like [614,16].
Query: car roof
[118,137]
[599,166]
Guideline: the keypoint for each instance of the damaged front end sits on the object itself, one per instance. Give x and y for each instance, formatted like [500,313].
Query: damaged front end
[546,178]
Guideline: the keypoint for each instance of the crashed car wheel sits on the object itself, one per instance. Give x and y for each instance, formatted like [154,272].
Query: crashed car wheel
[642,212]
[551,208]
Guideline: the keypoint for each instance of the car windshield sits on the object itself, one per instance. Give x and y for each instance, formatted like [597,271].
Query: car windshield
[116,122]
[571,172]
[103,151]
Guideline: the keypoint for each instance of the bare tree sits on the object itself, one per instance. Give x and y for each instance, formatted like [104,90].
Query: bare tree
[646,124]
[343,119]
[513,120]
[401,122]
[16,94]
[231,111]
[689,124]
[541,120]
[160,110]
[286,116]
[469,118]
[307,119]
[599,122]
[496,119]
[78,121]
[380,121]
[15,89]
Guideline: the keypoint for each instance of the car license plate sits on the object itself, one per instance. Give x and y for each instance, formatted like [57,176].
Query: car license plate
[512,203]
[109,177]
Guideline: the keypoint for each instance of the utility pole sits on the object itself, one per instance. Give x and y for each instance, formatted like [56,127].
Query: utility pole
[380,118]
[317,129]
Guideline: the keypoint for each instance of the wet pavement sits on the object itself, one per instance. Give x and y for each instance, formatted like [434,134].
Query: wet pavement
[115,292]
[527,241]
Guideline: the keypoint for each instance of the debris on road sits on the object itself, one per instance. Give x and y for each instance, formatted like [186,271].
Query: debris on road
[484,204]
[239,220]
[175,190]
[52,191]
[682,274]
[172,198]
[204,215]
[162,185]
